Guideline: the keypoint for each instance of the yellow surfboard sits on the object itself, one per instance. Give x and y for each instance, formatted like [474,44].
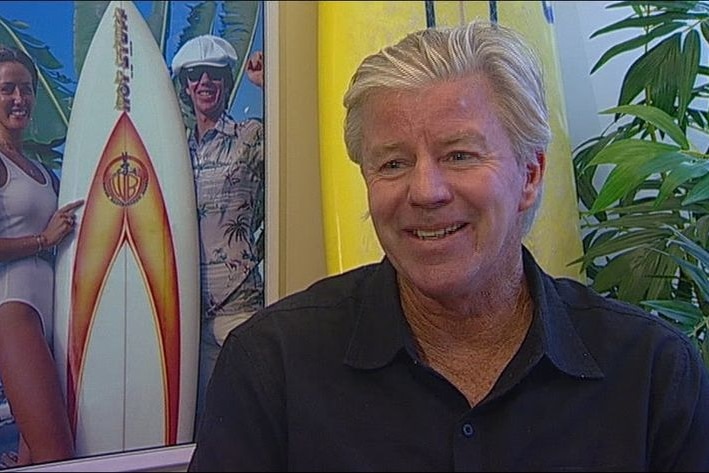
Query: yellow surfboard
[349,31]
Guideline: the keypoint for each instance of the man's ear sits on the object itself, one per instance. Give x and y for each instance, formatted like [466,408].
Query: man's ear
[534,174]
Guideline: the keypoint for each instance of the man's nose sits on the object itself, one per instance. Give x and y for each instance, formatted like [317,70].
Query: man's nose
[429,185]
[16,93]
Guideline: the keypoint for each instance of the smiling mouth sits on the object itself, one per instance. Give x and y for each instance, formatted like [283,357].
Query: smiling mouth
[437,234]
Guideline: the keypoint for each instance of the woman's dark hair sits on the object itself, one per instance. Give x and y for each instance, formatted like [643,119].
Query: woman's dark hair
[9,54]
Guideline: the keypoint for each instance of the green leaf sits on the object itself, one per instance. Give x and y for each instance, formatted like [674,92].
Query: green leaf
[87,16]
[690,169]
[643,268]
[636,42]
[696,273]
[631,150]
[661,286]
[699,193]
[240,20]
[651,206]
[584,156]
[201,20]
[657,117]
[702,230]
[700,253]
[682,312]
[159,23]
[642,71]
[643,21]
[698,276]
[626,242]
[664,83]
[635,160]
[642,220]
[704,27]
[610,275]
[587,193]
[697,118]
[687,73]
[667,5]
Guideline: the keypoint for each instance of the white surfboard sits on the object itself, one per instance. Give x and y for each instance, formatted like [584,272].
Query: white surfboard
[126,336]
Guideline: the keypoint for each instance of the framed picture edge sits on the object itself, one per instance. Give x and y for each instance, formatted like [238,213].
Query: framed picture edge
[177,457]
[172,458]
[272,147]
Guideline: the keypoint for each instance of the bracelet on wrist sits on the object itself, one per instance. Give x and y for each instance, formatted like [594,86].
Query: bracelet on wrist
[40,242]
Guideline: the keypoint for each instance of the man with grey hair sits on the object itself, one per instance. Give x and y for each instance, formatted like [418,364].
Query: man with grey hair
[456,352]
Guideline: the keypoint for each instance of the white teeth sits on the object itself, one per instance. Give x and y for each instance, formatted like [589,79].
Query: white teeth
[435,234]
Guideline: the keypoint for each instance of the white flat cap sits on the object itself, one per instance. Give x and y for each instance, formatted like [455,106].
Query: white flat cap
[205,50]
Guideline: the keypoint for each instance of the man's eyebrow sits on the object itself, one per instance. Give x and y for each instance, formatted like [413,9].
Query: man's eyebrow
[466,136]
[463,137]
[385,147]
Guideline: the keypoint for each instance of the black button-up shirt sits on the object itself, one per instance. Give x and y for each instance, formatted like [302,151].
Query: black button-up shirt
[328,380]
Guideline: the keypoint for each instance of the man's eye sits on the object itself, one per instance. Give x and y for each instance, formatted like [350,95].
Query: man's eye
[9,89]
[460,156]
[392,165]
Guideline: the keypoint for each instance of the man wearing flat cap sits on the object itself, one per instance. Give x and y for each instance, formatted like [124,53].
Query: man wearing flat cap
[228,164]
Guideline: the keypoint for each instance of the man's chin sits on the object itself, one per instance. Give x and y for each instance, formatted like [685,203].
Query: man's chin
[434,278]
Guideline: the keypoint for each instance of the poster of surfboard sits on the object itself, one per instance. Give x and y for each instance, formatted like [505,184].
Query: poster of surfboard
[127,265]
[365,27]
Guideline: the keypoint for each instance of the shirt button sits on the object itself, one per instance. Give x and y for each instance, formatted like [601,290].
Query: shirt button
[468,430]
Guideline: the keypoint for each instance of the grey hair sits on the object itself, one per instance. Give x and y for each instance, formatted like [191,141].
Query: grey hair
[425,57]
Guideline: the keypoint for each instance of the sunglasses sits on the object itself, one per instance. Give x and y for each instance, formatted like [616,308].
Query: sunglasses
[214,73]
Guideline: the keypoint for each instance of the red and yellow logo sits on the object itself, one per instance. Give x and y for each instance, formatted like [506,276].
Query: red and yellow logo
[125,181]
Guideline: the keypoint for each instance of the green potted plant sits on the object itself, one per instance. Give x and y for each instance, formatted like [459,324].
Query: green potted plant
[643,184]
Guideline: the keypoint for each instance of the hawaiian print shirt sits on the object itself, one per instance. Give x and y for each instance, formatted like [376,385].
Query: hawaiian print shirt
[228,166]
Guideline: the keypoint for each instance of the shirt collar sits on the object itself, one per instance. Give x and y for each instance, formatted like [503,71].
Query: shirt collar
[553,333]
[225,125]
[381,331]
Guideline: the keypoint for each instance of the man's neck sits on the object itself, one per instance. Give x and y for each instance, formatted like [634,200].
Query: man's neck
[470,350]
[204,123]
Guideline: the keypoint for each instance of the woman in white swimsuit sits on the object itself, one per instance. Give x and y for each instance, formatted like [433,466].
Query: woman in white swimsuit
[30,227]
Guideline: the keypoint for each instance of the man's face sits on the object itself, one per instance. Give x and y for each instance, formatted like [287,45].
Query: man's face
[446,193]
[206,88]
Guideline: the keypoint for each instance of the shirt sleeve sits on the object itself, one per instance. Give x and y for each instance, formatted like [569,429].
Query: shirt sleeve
[243,248]
[679,417]
[243,424]
[256,160]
